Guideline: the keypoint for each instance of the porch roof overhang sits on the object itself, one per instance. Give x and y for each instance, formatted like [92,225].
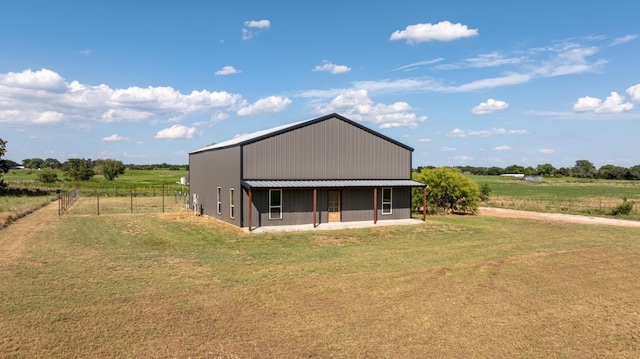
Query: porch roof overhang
[330,183]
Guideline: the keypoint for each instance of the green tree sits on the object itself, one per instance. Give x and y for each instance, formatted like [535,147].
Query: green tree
[33,163]
[449,190]
[4,166]
[514,169]
[109,168]
[584,169]
[634,172]
[52,163]
[546,169]
[613,172]
[78,169]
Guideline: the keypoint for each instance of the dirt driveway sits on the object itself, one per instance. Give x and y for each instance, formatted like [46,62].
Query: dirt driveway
[569,218]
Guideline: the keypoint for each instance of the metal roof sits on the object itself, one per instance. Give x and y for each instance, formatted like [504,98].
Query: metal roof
[255,136]
[330,183]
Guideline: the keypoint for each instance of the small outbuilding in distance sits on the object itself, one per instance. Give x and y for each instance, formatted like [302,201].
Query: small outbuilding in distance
[327,169]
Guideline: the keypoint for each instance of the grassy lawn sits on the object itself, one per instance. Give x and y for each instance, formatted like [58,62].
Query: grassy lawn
[13,207]
[173,285]
[564,195]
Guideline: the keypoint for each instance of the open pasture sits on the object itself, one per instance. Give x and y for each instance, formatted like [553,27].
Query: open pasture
[562,195]
[175,285]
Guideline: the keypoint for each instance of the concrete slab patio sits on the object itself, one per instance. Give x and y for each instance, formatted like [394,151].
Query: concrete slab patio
[335,225]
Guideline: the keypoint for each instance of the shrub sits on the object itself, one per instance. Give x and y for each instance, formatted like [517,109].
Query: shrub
[449,190]
[485,191]
[47,177]
[623,208]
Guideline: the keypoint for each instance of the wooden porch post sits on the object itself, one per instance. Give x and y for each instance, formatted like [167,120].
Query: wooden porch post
[315,196]
[424,204]
[250,210]
[375,205]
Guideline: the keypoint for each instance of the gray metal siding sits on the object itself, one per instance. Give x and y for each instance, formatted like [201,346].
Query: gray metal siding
[330,149]
[218,168]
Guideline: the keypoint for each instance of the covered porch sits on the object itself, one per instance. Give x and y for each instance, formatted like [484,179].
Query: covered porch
[314,202]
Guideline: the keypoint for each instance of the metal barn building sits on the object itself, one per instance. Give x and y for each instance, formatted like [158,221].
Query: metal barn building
[311,172]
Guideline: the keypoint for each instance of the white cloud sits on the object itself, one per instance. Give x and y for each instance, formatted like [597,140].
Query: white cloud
[492,59]
[442,31]
[614,103]
[332,68]
[490,106]
[125,115]
[424,140]
[456,132]
[486,133]
[271,104]
[446,149]
[227,70]
[511,79]
[497,132]
[115,138]
[259,24]
[175,132]
[247,33]
[415,65]
[502,148]
[463,158]
[634,93]
[43,79]
[85,52]
[44,97]
[359,107]
[623,39]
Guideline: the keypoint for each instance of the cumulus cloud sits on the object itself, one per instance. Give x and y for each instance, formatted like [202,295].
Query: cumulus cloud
[271,104]
[442,31]
[634,93]
[490,106]
[44,97]
[502,148]
[248,32]
[359,107]
[332,68]
[227,70]
[424,140]
[614,103]
[115,138]
[176,132]
[456,132]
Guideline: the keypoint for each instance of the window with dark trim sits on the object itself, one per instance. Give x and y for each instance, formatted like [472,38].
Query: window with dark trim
[386,201]
[231,204]
[219,200]
[275,204]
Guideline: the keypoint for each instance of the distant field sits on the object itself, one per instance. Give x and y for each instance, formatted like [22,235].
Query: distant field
[175,285]
[567,195]
[139,182]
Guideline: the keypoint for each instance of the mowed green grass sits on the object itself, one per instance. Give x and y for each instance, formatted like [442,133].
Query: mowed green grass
[173,285]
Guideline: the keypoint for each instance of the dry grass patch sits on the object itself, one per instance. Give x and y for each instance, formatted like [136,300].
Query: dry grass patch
[173,285]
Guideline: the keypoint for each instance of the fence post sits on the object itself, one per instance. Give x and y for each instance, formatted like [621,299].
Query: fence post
[98,202]
[163,198]
[131,201]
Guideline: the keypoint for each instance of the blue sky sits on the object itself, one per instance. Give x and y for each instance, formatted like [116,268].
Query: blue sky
[479,83]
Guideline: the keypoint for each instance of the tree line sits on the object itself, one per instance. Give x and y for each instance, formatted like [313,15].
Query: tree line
[581,169]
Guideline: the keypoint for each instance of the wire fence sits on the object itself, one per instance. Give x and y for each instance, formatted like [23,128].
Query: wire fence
[585,206]
[66,199]
[95,201]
